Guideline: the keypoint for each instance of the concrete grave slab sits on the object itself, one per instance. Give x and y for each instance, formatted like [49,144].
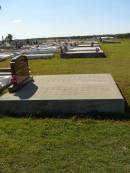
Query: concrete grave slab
[83,54]
[39,56]
[4,81]
[4,56]
[63,94]
[83,49]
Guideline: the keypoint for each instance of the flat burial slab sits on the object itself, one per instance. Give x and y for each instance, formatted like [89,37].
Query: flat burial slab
[4,56]
[62,94]
[83,54]
[39,56]
[83,49]
[88,45]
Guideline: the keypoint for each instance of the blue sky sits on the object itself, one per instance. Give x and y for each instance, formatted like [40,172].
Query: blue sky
[46,18]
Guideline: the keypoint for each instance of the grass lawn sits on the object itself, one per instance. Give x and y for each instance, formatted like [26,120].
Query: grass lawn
[75,145]
[64,146]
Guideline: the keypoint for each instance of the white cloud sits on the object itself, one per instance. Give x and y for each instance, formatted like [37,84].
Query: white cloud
[17,21]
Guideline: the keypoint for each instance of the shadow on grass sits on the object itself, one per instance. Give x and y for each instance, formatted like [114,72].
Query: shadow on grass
[94,116]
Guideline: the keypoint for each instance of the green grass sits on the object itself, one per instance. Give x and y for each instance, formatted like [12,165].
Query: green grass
[73,145]
[64,145]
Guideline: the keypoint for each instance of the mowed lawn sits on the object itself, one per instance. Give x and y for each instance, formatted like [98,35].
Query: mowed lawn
[64,146]
[71,145]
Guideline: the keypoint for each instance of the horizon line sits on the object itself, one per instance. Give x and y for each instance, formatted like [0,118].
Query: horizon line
[54,37]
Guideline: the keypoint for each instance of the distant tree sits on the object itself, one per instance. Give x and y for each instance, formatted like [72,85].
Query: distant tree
[9,38]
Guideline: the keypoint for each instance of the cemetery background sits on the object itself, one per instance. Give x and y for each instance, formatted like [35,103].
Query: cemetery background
[72,144]
[117,63]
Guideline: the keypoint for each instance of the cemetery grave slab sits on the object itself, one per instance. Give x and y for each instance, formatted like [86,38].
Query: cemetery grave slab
[4,56]
[40,56]
[88,45]
[82,54]
[65,94]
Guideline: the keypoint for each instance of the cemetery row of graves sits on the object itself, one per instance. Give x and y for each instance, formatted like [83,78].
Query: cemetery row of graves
[67,49]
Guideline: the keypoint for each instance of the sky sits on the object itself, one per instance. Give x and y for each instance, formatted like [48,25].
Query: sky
[52,18]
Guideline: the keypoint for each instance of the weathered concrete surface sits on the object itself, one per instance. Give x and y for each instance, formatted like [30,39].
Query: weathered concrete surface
[4,81]
[39,56]
[4,56]
[88,45]
[83,54]
[77,49]
[66,94]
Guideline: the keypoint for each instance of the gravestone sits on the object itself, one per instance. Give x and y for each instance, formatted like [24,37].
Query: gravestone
[20,72]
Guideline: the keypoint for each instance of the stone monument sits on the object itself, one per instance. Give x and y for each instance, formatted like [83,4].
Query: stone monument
[20,73]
